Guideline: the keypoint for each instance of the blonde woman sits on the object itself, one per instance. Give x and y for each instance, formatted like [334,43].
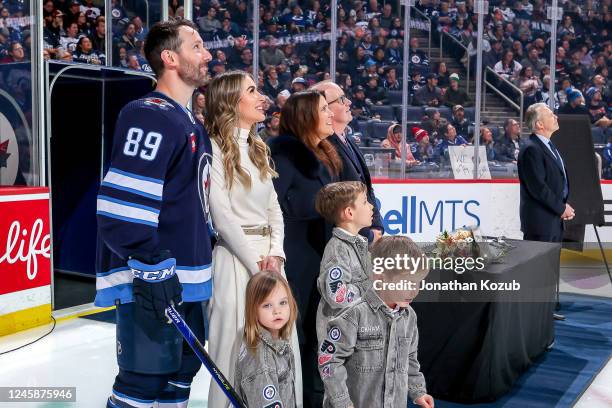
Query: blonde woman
[246,213]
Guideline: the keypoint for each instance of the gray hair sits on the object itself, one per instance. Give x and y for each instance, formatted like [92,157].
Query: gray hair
[533,114]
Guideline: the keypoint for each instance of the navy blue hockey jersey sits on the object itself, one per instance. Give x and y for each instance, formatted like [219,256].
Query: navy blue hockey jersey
[154,197]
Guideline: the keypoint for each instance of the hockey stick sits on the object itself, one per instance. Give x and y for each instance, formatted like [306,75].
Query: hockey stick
[199,350]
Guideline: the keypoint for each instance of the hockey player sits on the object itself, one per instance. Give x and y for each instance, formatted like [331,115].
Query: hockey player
[154,226]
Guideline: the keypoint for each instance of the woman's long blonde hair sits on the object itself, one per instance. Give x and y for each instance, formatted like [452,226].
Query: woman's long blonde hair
[221,120]
[260,286]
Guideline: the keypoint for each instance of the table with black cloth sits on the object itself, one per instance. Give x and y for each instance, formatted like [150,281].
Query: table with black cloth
[473,350]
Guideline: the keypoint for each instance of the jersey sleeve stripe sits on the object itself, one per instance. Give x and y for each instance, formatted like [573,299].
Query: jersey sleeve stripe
[132,181]
[127,219]
[127,212]
[120,276]
[128,204]
[136,176]
[131,190]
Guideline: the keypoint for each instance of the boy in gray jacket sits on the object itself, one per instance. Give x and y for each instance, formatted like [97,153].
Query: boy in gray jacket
[346,263]
[369,356]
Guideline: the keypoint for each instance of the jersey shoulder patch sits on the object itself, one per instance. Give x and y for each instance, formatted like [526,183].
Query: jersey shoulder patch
[157,102]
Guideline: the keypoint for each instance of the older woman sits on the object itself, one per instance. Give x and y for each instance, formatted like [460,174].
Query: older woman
[246,214]
[305,161]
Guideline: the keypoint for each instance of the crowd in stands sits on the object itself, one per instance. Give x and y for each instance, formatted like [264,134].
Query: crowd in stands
[294,53]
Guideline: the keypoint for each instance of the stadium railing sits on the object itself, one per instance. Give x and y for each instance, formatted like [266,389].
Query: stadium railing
[492,86]
[444,34]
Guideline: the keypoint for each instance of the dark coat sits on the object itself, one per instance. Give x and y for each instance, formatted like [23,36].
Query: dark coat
[301,176]
[542,181]
[357,171]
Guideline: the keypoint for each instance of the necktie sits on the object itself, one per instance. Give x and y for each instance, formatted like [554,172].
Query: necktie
[560,163]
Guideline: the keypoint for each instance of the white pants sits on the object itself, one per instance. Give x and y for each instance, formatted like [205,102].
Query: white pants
[226,316]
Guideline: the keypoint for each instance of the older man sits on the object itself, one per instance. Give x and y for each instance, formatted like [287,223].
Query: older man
[543,182]
[508,148]
[543,179]
[353,164]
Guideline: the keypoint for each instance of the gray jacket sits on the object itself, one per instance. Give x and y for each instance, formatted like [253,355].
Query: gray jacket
[369,358]
[265,378]
[343,278]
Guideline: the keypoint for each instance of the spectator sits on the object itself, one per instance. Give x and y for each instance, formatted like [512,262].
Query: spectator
[393,53]
[281,98]
[460,123]
[509,146]
[544,94]
[15,54]
[394,141]
[443,75]
[533,60]
[416,82]
[375,93]
[270,56]
[86,54]
[128,38]
[91,12]
[529,84]
[123,58]
[345,82]
[455,96]
[271,127]
[216,67]
[434,124]
[298,84]
[386,19]
[272,85]
[598,111]
[228,29]
[429,95]
[140,32]
[599,83]
[561,96]
[418,59]
[391,82]
[507,67]
[52,35]
[360,108]
[491,58]
[486,140]
[209,24]
[74,10]
[450,139]
[575,103]
[69,42]
[560,63]
[98,37]
[246,60]
[315,62]
[421,149]
[132,61]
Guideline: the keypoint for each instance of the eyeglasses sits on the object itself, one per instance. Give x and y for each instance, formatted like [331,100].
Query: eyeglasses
[341,99]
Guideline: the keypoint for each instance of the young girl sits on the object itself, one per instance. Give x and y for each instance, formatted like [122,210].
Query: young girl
[265,369]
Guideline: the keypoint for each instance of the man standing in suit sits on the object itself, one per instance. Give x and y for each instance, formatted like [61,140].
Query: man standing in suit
[353,164]
[543,180]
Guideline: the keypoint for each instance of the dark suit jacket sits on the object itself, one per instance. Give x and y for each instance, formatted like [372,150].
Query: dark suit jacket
[357,171]
[300,177]
[542,181]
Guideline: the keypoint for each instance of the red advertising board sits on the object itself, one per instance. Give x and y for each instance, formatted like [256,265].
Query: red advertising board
[25,239]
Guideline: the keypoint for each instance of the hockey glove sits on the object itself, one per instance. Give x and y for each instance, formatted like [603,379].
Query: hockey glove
[155,284]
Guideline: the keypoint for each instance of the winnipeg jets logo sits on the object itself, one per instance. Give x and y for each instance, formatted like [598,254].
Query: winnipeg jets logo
[204,188]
